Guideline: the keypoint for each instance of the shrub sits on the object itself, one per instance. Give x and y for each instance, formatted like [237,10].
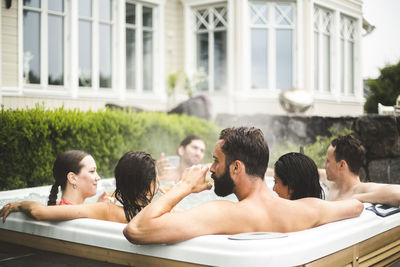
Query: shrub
[316,150]
[385,89]
[31,139]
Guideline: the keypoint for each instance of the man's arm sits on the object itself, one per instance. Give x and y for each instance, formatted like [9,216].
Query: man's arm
[379,194]
[156,224]
[340,210]
[331,211]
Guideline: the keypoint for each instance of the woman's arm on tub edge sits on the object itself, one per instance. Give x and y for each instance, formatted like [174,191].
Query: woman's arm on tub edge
[101,211]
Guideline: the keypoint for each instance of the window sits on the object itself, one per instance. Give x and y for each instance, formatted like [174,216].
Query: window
[95,17]
[211,47]
[35,70]
[322,49]
[105,34]
[139,46]
[74,43]
[347,39]
[272,42]
[85,42]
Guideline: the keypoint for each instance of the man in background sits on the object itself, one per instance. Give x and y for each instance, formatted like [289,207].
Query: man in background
[190,151]
[344,159]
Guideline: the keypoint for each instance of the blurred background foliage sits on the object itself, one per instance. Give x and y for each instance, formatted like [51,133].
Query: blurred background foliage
[385,89]
[316,150]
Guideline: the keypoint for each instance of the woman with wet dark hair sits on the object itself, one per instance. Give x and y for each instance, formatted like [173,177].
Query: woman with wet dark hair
[75,172]
[296,176]
[136,185]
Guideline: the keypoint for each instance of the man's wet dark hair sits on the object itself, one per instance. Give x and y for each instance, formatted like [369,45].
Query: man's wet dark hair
[68,161]
[189,139]
[351,150]
[246,144]
[134,175]
[300,174]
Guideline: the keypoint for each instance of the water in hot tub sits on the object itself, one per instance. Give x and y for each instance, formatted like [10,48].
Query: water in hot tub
[41,194]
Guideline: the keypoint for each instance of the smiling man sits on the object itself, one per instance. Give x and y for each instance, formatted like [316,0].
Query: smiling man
[240,160]
[344,158]
[190,151]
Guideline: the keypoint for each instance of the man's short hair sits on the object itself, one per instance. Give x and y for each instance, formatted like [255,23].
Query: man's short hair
[246,144]
[188,139]
[351,150]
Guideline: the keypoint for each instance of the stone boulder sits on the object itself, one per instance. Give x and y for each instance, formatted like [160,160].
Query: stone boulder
[199,106]
[380,136]
[385,170]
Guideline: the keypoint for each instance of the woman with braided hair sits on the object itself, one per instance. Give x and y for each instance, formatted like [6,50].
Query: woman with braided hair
[75,172]
[136,184]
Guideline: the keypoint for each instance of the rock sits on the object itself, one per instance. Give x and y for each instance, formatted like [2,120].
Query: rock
[384,171]
[379,135]
[199,106]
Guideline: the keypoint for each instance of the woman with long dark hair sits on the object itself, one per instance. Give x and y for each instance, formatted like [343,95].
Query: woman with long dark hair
[296,176]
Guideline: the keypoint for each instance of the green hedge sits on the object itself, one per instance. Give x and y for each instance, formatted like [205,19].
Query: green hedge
[31,139]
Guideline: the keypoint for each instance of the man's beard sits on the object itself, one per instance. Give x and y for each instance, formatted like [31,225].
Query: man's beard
[224,184]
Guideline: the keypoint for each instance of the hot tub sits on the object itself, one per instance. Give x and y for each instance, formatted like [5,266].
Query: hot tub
[366,240]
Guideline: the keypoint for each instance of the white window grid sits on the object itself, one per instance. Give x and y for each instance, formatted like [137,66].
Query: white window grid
[264,18]
[323,23]
[347,28]
[93,57]
[139,29]
[210,19]
[71,86]
[323,20]
[44,12]
[149,29]
[348,32]
[264,15]
[110,23]
[132,26]
[96,21]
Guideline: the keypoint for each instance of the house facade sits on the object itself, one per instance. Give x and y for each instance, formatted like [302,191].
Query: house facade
[241,53]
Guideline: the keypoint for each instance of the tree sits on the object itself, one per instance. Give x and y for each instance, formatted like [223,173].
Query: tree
[385,89]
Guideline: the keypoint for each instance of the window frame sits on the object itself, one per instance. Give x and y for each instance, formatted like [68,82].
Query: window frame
[272,60]
[211,45]
[319,53]
[344,58]
[71,88]
[139,29]
[190,53]
[87,91]
[44,12]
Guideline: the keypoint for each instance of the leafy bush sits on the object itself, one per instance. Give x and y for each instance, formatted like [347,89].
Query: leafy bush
[316,150]
[384,89]
[31,139]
